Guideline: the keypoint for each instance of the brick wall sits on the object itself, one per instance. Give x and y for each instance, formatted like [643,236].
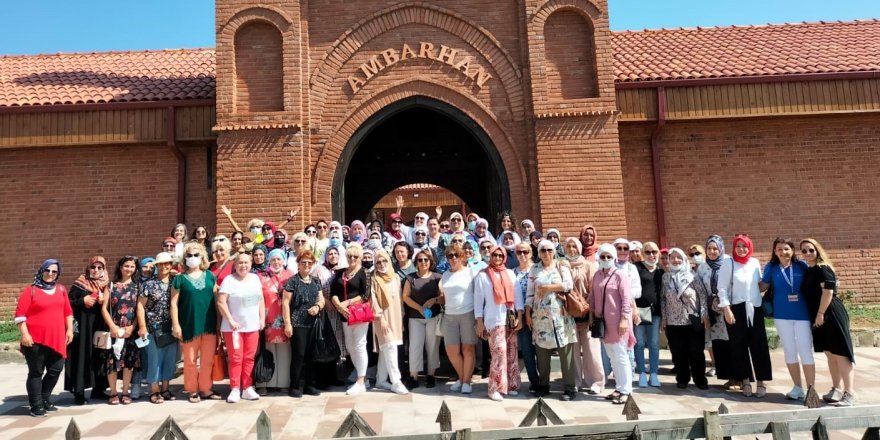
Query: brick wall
[258,68]
[71,203]
[794,177]
[570,56]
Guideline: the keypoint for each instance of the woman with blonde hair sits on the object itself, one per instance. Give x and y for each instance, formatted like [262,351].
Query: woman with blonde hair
[351,286]
[194,322]
[830,322]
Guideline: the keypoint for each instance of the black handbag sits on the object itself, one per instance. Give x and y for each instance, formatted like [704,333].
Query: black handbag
[163,338]
[597,328]
[264,362]
[324,346]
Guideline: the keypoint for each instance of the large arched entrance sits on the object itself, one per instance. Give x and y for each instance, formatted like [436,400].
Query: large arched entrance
[419,139]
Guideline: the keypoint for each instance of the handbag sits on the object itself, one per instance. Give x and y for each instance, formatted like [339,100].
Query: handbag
[438,329]
[324,346]
[694,319]
[102,340]
[646,315]
[512,319]
[163,338]
[597,328]
[264,362]
[357,313]
[218,370]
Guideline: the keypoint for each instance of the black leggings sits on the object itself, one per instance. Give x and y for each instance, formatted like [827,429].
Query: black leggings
[749,352]
[301,366]
[40,359]
[686,347]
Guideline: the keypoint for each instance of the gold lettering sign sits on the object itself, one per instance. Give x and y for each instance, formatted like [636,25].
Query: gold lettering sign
[391,56]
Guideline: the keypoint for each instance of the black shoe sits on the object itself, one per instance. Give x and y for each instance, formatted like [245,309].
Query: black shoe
[542,391]
[295,392]
[312,391]
[322,387]
[410,383]
[430,382]
[38,411]
[49,407]
[703,386]
[80,399]
[569,396]
[533,389]
[681,385]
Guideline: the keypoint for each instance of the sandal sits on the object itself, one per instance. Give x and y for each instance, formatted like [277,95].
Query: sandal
[620,399]
[194,398]
[156,398]
[212,396]
[168,396]
[126,399]
[615,395]
[761,391]
[114,400]
[747,389]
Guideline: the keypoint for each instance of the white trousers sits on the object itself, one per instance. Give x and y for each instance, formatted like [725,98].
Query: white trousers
[618,354]
[356,344]
[797,340]
[422,337]
[388,364]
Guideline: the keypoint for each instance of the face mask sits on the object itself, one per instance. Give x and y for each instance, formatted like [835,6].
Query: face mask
[367,264]
[572,258]
[335,242]
[485,258]
[279,241]
[606,264]
[374,243]
[193,262]
[675,267]
[255,230]
[650,265]
[472,225]
[358,237]
[268,236]
[699,259]
[382,271]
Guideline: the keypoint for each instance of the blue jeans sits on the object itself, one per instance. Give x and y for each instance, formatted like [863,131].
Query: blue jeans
[648,336]
[161,361]
[529,355]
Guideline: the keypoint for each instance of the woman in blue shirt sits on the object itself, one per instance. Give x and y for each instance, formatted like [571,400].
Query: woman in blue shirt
[785,274]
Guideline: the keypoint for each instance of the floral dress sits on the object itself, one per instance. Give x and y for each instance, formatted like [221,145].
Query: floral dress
[552,327]
[123,312]
[273,290]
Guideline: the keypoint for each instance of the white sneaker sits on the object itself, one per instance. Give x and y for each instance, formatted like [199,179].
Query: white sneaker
[356,389]
[513,393]
[234,395]
[456,386]
[848,399]
[595,389]
[796,393]
[383,385]
[398,388]
[250,394]
[496,396]
[466,388]
[833,396]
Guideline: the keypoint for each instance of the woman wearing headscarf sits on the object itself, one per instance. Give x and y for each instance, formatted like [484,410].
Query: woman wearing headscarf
[494,300]
[589,241]
[154,321]
[587,356]
[740,300]
[87,296]
[707,273]
[276,341]
[785,274]
[358,232]
[556,238]
[120,315]
[481,232]
[387,323]
[420,240]
[648,332]
[45,320]
[526,227]
[830,322]
[457,223]
[351,286]
[535,237]
[508,240]
[260,261]
[683,298]
[552,327]
[612,303]
[394,230]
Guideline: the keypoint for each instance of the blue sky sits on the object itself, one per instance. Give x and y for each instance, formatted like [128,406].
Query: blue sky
[49,26]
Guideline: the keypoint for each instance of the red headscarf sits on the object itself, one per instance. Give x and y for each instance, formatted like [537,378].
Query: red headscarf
[748,242]
[502,285]
[388,228]
[270,243]
[589,251]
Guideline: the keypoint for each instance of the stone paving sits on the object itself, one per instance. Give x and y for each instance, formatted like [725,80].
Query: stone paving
[387,413]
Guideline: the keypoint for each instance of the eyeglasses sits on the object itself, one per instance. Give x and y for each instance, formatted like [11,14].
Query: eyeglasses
[444,225]
[424,219]
[300,241]
[423,260]
[693,254]
[168,245]
[322,226]
[452,257]
[311,231]
[96,267]
[306,262]
[193,255]
[50,271]
[606,257]
[808,251]
[548,250]
[421,233]
[522,252]
[497,256]
[653,252]
[485,248]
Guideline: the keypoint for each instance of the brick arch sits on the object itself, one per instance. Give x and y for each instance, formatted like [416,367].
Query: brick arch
[331,152]
[269,14]
[585,7]
[380,22]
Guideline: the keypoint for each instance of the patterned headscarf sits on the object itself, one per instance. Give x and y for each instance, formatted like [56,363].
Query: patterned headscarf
[94,285]
[38,278]
[716,263]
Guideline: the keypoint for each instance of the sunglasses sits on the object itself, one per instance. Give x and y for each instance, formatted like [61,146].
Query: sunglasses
[322,226]
[497,256]
[693,254]
[548,250]
[423,260]
[311,231]
[485,248]
[622,249]
[218,239]
[421,233]
[352,257]
[522,252]
[456,220]
[50,271]
[396,221]
[452,257]
[458,241]
[193,255]
[300,241]
[606,257]
[444,225]
[808,251]
[96,267]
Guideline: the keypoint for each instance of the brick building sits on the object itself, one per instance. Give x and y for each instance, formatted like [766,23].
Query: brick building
[534,106]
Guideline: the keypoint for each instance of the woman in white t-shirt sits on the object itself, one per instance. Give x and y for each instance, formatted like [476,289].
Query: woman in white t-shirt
[458,325]
[240,302]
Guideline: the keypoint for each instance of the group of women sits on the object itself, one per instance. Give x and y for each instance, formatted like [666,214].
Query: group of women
[379,287]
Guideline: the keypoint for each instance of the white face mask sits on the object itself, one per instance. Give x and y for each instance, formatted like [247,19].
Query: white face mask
[699,259]
[193,262]
[650,264]
[374,243]
[606,264]
[675,267]
[255,230]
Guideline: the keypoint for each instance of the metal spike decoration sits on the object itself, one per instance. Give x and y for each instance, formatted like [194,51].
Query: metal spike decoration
[444,418]
[631,408]
[354,426]
[541,412]
[812,400]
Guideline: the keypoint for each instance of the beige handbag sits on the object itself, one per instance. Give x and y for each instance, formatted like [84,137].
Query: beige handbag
[102,340]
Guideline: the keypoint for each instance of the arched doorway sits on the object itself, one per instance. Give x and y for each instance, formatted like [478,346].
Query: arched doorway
[419,139]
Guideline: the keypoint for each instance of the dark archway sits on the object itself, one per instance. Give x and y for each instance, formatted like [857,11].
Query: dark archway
[419,139]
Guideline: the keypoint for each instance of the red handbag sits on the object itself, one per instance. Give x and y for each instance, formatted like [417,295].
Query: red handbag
[357,313]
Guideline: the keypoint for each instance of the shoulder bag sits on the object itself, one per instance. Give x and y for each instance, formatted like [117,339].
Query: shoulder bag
[357,313]
[575,304]
[324,346]
[597,329]
[264,363]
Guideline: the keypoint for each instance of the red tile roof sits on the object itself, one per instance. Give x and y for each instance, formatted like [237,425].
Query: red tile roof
[79,78]
[736,51]
[650,55]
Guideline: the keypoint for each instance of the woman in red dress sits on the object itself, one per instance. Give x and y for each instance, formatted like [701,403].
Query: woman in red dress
[276,341]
